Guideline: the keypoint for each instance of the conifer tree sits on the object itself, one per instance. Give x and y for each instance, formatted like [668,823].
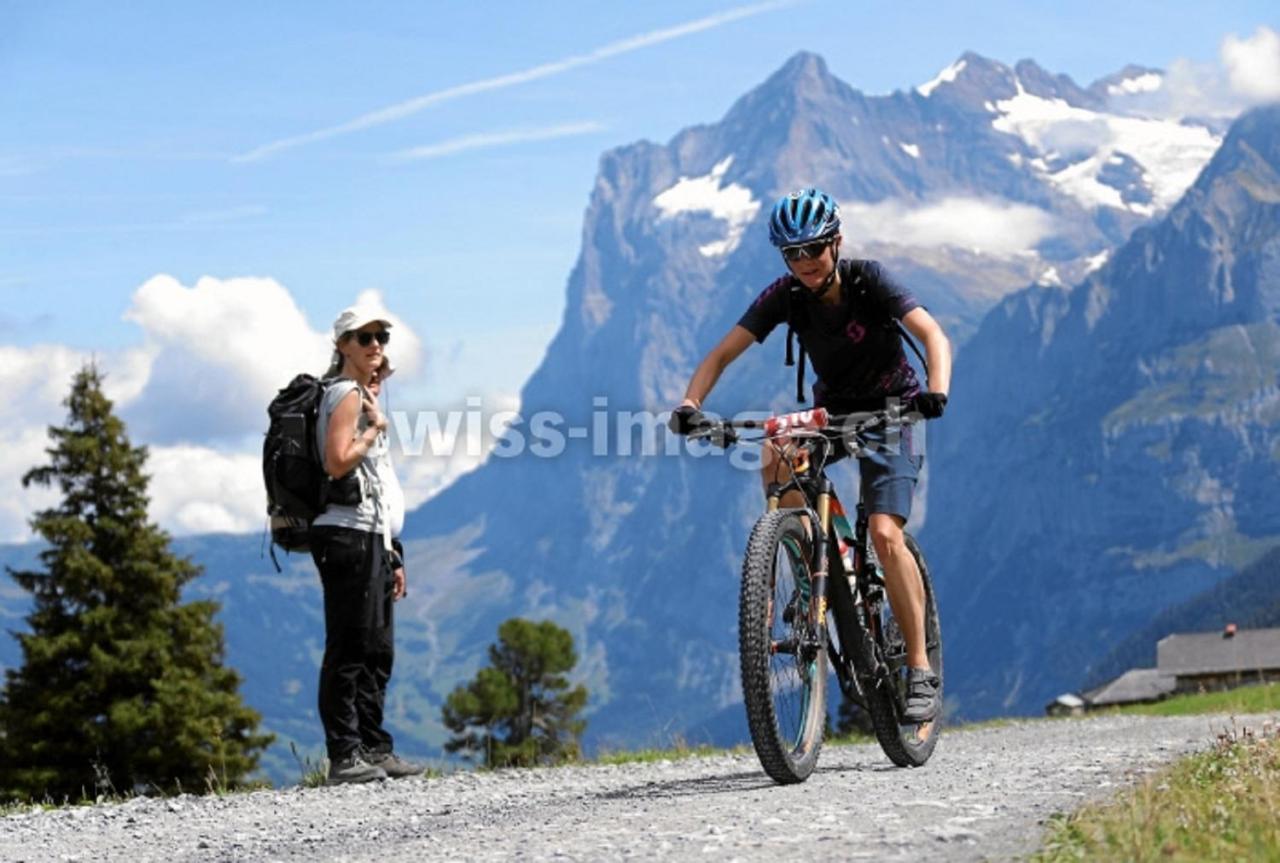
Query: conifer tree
[519,710]
[122,685]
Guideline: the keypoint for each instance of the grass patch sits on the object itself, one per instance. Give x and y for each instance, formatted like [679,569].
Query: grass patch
[852,738]
[1218,805]
[1246,699]
[678,751]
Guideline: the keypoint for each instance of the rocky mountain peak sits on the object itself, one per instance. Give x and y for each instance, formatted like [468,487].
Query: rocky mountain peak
[803,79]
[1038,82]
[1253,145]
[971,80]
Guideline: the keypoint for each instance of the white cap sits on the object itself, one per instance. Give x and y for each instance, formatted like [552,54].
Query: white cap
[351,320]
[356,317]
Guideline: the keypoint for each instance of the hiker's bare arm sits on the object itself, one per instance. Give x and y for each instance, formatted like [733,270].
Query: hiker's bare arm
[937,348]
[343,448]
[715,362]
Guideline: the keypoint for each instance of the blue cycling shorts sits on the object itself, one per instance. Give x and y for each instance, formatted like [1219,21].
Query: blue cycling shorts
[889,467]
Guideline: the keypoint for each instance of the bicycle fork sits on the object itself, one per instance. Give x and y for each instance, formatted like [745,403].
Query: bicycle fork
[814,640]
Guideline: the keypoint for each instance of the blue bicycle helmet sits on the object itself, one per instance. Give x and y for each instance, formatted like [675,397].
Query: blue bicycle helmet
[802,217]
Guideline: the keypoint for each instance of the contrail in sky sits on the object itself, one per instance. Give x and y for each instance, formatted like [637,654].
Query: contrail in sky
[412,106]
[467,143]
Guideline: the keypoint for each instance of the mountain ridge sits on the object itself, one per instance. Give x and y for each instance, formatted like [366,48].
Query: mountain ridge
[638,557]
[1142,484]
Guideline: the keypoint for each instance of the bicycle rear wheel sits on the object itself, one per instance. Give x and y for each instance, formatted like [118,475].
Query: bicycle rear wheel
[784,679]
[906,744]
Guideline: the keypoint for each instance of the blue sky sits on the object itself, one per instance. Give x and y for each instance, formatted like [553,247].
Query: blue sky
[148,138]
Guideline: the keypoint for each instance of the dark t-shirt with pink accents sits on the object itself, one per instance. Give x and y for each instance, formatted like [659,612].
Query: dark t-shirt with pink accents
[853,346]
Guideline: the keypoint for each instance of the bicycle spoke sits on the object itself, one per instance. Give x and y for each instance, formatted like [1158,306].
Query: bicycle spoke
[791,674]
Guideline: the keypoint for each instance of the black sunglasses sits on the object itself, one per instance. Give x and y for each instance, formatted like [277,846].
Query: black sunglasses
[807,250]
[365,338]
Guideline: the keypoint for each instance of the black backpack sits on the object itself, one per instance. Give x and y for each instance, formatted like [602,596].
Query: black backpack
[298,489]
[854,281]
[291,465]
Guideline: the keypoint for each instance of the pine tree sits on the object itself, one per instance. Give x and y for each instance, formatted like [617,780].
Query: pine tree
[519,710]
[122,686]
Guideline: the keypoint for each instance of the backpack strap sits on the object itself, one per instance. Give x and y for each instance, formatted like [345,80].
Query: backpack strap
[889,321]
[855,281]
[915,348]
[791,334]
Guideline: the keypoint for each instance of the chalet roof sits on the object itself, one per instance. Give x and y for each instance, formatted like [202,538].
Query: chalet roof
[1213,653]
[1136,684]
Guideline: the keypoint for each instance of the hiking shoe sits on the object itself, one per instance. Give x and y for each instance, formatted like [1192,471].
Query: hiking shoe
[393,765]
[922,695]
[353,768]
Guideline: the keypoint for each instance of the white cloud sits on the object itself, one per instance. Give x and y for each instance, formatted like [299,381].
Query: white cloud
[413,106]
[429,472]
[1253,64]
[1247,73]
[225,346]
[39,378]
[467,143]
[195,392]
[1148,82]
[991,226]
[195,489]
[23,451]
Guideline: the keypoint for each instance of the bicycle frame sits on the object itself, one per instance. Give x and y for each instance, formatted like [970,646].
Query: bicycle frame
[859,660]
[832,574]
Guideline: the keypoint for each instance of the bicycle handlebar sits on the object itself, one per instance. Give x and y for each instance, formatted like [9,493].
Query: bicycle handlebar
[811,423]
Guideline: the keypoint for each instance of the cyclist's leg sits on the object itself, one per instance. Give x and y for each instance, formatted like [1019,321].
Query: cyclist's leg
[889,478]
[903,582]
[774,469]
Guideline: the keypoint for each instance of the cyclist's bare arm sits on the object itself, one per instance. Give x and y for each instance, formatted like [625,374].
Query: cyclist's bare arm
[937,348]
[714,364]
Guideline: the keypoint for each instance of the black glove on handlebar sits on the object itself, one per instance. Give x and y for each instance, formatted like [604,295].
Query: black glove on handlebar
[930,405]
[686,419]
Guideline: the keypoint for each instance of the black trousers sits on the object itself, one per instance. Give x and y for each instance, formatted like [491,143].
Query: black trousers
[359,635]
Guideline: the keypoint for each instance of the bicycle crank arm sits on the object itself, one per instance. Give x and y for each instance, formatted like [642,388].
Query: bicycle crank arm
[789,646]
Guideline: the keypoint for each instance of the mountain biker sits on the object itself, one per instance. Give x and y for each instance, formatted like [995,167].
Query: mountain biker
[843,311]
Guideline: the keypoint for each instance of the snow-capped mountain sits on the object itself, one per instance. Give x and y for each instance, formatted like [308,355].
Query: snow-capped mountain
[1114,448]
[976,183]
[970,187]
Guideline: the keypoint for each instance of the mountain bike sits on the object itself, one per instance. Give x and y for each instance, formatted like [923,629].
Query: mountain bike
[813,594]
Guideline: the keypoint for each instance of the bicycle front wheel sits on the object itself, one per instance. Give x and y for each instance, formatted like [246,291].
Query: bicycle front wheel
[784,674]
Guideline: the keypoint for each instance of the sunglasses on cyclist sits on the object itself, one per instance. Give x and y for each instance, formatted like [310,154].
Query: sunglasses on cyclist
[365,339]
[807,250]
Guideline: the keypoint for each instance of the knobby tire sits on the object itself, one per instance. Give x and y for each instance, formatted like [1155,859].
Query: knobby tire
[765,675]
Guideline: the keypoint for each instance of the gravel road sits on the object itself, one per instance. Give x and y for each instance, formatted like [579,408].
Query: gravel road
[983,796]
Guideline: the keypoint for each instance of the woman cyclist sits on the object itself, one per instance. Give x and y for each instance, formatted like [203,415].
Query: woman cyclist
[844,313]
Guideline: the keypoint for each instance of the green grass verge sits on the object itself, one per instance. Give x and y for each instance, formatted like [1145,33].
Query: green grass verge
[1218,805]
[678,752]
[1246,699]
